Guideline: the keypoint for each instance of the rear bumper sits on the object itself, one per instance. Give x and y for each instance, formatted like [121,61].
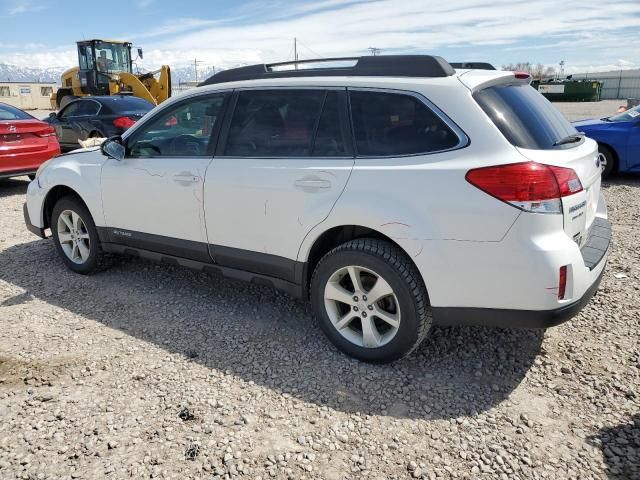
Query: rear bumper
[514,283]
[491,317]
[32,228]
[26,163]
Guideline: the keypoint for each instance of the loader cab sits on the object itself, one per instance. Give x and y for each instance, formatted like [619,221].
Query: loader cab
[99,61]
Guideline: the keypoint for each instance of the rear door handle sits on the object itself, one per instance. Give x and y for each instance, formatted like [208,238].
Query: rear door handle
[186,178]
[312,183]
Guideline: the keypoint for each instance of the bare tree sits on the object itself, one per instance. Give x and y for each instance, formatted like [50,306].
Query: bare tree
[537,71]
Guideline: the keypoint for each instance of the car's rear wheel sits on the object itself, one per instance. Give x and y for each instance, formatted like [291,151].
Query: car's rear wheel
[607,160]
[75,235]
[370,300]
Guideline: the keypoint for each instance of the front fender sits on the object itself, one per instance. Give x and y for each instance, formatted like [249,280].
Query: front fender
[78,171]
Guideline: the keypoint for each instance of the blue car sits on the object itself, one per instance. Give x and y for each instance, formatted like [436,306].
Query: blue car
[618,140]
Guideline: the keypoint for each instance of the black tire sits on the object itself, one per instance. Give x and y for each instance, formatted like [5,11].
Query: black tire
[395,267]
[93,261]
[610,158]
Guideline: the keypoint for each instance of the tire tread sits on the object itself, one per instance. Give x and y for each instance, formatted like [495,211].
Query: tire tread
[399,261]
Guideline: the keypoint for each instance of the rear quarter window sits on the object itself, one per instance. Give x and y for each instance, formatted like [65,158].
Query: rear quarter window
[389,124]
[525,117]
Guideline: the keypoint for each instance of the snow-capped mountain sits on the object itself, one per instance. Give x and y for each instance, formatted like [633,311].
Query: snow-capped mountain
[14,73]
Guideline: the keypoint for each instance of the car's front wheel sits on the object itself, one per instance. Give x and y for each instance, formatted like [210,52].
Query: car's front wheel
[607,160]
[75,235]
[370,300]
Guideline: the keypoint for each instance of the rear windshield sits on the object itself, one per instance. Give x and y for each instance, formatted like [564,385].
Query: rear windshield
[525,117]
[127,104]
[7,112]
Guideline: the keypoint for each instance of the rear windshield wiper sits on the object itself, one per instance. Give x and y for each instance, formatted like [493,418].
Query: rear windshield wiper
[576,137]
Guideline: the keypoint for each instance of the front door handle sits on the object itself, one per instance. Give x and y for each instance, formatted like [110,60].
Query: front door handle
[312,183]
[186,178]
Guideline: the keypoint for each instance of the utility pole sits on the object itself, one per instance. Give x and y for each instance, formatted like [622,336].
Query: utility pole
[375,51]
[195,66]
[295,52]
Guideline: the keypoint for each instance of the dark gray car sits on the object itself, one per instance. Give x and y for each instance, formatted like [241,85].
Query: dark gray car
[96,117]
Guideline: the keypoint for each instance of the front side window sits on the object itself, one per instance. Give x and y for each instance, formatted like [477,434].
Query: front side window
[181,131]
[274,123]
[112,57]
[397,124]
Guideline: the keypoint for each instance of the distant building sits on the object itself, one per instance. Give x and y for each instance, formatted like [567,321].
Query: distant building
[616,84]
[27,95]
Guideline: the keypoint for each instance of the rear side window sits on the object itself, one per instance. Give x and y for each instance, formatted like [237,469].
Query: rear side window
[7,112]
[330,140]
[525,117]
[127,104]
[388,124]
[274,123]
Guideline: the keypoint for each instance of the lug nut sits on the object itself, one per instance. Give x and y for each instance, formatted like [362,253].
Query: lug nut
[355,299]
[355,309]
[364,298]
[364,314]
[370,307]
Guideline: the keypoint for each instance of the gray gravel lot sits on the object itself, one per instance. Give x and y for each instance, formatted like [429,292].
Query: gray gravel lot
[152,371]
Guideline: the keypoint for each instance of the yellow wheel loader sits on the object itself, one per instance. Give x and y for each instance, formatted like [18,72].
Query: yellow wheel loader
[106,68]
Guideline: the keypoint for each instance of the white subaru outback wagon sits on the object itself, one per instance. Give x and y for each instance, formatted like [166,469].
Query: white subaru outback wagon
[393,191]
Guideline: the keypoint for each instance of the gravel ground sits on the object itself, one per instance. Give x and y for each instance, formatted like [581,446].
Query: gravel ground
[152,371]
[583,110]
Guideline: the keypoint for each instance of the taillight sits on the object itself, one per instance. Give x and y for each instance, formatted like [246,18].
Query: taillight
[123,122]
[521,75]
[562,282]
[529,186]
[47,131]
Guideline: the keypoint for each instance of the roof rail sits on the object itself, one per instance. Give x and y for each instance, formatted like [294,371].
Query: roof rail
[370,66]
[473,65]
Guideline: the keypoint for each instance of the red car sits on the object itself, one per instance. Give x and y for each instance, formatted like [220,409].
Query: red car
[25,142]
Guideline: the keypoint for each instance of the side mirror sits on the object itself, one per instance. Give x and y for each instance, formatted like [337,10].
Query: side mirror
[113,148]
[140,53]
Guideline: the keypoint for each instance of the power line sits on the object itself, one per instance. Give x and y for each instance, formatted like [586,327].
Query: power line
[311,50]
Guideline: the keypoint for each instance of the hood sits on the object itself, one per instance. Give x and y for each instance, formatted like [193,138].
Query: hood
[594,123]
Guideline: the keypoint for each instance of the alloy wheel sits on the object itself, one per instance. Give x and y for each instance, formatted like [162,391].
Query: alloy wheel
[362,306]
[74,237]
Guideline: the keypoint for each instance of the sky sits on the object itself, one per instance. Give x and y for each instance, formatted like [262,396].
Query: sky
[589,35]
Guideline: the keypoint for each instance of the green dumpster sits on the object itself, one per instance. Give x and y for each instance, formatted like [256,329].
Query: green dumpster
[570,90]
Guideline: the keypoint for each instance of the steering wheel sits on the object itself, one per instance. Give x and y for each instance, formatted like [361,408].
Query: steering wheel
[185,145]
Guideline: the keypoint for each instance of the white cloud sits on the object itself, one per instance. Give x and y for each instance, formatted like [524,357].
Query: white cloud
[582,32]
[25,6]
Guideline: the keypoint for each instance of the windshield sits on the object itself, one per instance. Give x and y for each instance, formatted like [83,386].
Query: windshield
[112,57]
[526,118]
[631,114]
